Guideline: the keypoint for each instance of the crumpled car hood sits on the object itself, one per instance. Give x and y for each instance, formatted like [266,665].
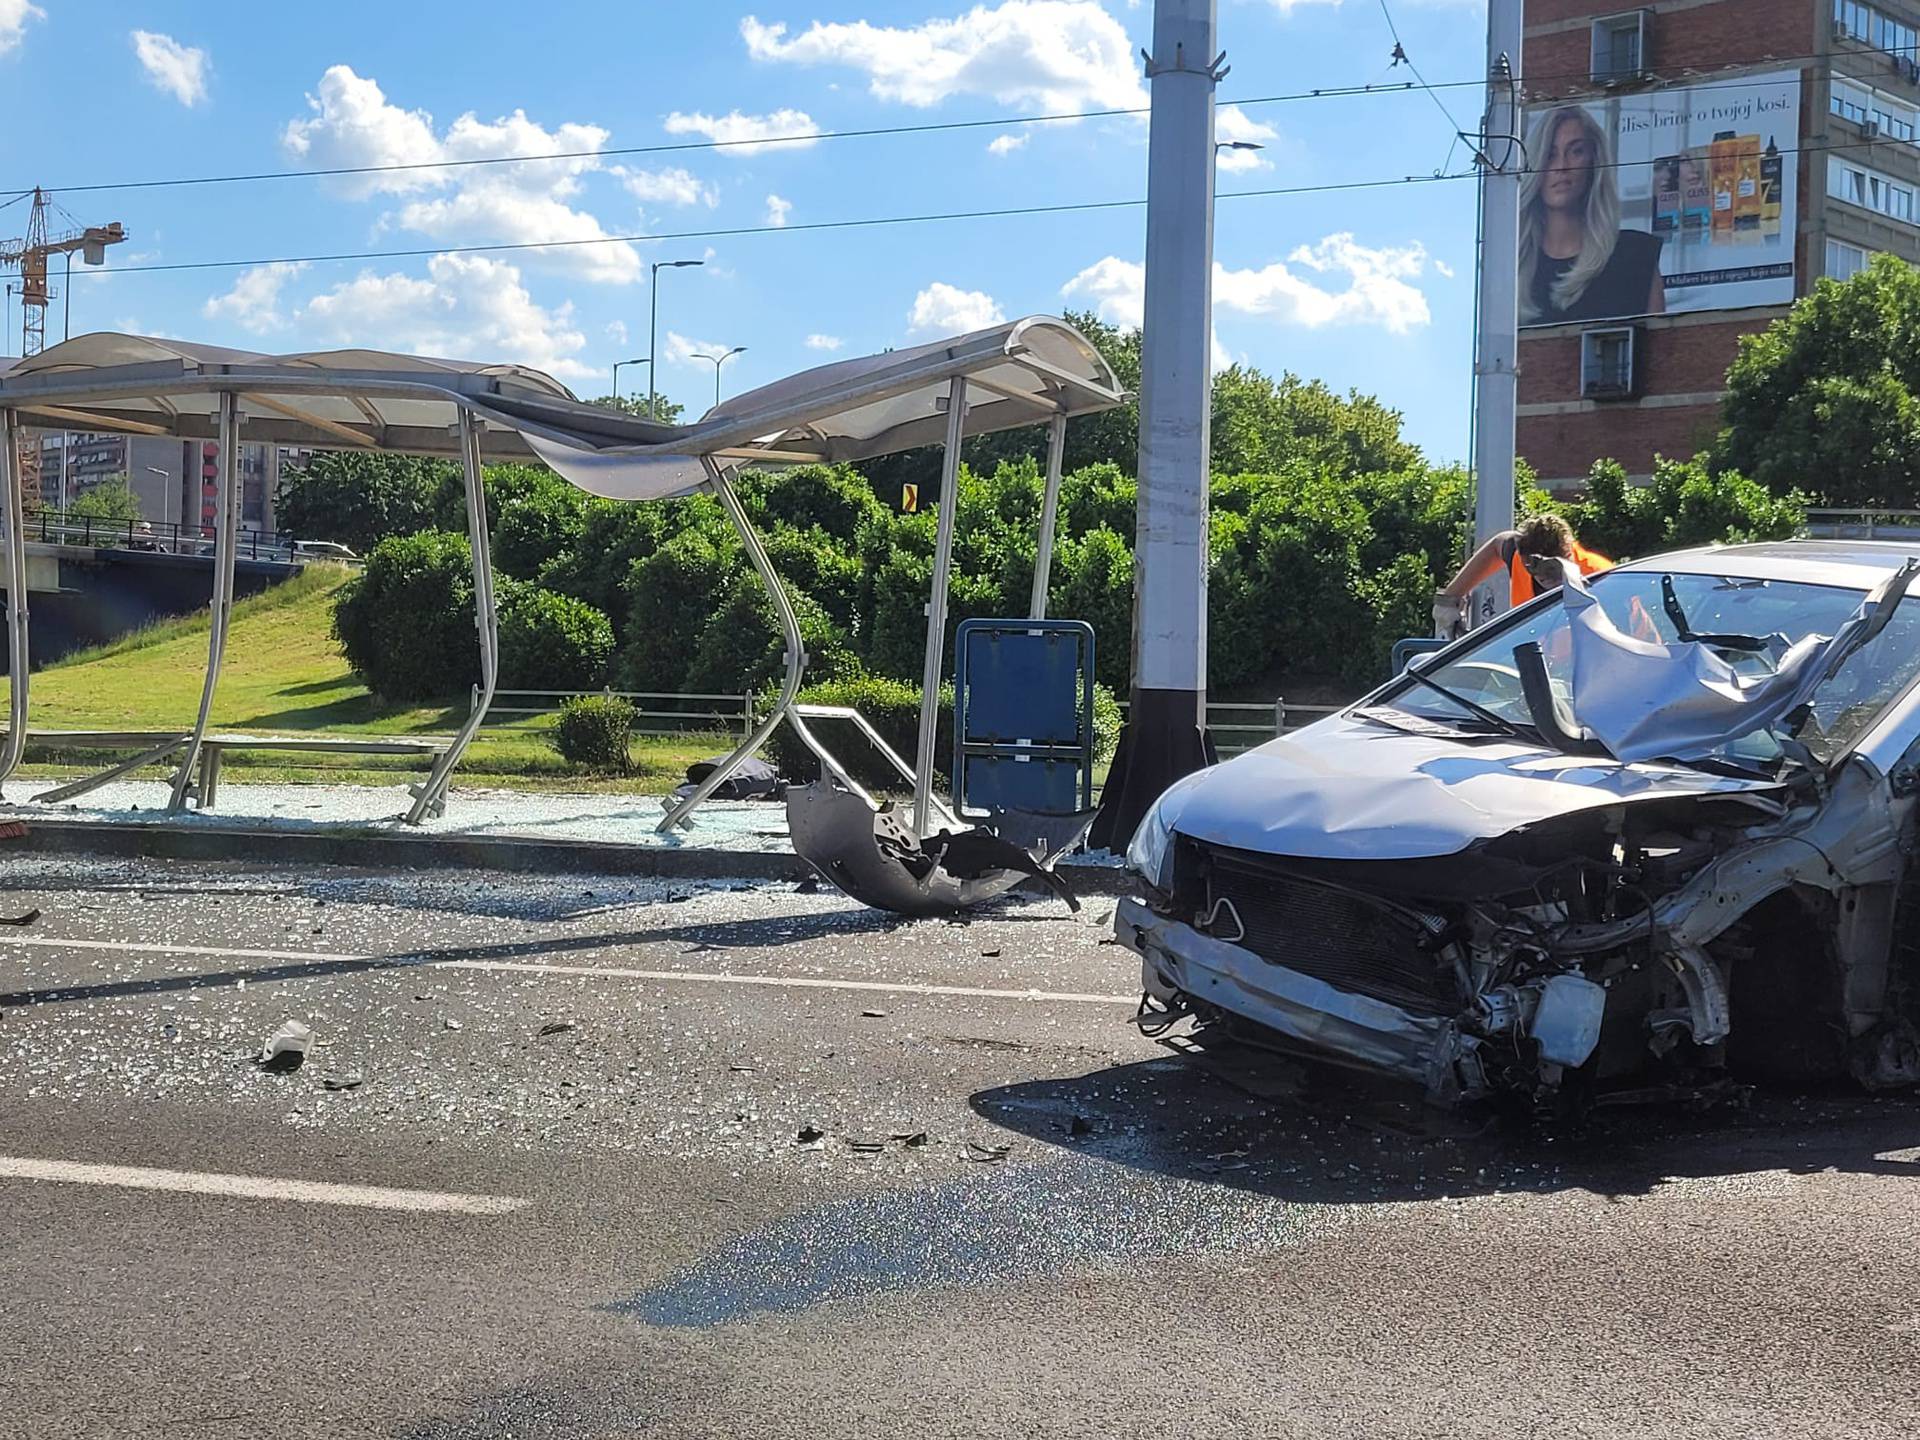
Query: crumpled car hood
[1351,789]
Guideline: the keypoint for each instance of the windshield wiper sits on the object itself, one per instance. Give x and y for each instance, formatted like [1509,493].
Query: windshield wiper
[1479,712]
[1670,602]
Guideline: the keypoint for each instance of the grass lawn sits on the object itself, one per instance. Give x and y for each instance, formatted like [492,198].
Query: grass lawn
[285,675]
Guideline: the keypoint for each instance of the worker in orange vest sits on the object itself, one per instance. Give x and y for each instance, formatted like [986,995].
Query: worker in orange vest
[1518,552]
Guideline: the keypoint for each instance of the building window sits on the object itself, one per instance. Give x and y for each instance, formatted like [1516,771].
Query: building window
[1855,20]
[1871,191]
[1606,363]
[1620,47]
[1845,261]
[1869,109]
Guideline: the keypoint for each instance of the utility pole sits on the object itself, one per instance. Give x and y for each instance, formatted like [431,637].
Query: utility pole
[1497,357]
[1166,732]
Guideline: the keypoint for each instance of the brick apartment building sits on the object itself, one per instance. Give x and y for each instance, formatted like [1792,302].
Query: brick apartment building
[1692,96]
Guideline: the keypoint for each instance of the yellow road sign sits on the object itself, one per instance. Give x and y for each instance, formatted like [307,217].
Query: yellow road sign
[909,499]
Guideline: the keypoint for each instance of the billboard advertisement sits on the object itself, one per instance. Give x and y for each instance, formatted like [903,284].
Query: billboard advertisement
[1669,200]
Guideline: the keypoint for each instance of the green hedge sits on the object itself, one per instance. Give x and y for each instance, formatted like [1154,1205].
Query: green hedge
[594,732]
[550,641]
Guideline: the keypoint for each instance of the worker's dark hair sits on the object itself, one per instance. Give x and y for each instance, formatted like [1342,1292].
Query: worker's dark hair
[1547,535]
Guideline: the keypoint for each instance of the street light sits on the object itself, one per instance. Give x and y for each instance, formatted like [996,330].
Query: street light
[653,327]
[717,361]
[616,374]
[1220,145]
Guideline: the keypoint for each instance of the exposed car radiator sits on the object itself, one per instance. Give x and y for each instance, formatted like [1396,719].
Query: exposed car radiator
[1358,946]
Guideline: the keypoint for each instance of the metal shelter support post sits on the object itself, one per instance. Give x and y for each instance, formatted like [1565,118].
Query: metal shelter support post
[429,798]
[1049,513]
[796,651]
[937,608]
[17,657]
[226,470]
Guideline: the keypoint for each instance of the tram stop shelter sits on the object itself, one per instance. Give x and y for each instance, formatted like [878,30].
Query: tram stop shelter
[1037,370]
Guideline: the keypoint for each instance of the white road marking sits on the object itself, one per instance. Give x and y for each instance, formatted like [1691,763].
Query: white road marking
[254,1187]
[694,977]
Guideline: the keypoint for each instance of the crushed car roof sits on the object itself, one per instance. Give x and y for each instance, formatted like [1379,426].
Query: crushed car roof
[1855,564]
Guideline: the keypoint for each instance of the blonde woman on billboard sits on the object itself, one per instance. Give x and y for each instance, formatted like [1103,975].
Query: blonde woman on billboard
[1576,263]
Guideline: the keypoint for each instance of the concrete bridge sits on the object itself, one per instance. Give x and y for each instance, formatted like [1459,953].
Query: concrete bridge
[82,595]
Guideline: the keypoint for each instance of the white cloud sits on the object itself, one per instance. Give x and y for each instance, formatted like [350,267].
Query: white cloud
[948,310]
[1060,55]
[179,70]
[14,15]
[748,134]
[777,211]
[1230,122]
[682,350]
[353,124]
[1007,144]
[617,331]
[1115,288]
[467,307]
[1377,292]
[253,301]
[668,187]
[824,342]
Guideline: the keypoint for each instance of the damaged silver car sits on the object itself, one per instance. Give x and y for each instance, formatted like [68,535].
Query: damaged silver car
[1644,833]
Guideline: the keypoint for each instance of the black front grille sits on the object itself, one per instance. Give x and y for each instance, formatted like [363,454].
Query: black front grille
[1343,939]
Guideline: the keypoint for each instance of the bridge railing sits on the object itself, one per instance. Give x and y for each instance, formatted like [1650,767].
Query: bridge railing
[63,527]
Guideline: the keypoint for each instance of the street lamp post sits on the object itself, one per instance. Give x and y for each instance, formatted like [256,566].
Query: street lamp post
[1237,145]
[616,374]
[717,361]
[653,329]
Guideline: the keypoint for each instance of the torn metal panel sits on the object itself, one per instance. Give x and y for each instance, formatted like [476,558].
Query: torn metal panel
[874,856]
[1182,961]
[1645,699]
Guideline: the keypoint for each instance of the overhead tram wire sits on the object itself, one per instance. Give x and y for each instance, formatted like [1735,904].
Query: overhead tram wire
[876,221]
[1702,80]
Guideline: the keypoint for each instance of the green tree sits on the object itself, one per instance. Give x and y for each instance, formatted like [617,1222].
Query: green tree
[360,499]
[667,411]
[110,499]
[1826,400]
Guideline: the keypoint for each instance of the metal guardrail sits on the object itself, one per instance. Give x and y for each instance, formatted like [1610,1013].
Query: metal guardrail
[63,527]
[696,714]
[1842,524]
[1235,730]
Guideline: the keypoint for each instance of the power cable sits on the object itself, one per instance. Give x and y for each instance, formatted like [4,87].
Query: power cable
[1336,92]
[871,222]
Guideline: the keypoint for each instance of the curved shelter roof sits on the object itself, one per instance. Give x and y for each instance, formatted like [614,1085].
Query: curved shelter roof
[1019,373]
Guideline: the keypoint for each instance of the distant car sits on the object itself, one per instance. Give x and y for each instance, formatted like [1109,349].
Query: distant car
[1456,882]
[324,550]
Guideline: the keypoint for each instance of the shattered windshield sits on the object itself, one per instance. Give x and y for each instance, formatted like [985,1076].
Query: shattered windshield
[1485,674]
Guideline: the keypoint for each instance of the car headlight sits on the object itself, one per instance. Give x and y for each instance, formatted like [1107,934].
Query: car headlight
[1150,853]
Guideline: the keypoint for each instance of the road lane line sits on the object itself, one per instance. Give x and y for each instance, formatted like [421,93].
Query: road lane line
[693,977]
[254,1187]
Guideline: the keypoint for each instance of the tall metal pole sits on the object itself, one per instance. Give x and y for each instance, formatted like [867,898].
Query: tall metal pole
[936,656]
[1496,362]
[1165,737]
[653,341]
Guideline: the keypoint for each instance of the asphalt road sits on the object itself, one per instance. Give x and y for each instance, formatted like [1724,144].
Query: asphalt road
[626,1158]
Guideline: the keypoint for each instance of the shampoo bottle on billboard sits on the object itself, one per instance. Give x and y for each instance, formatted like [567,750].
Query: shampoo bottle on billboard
[1770,176]
[1666,195]
[1723,161]
[1696,196]
[1746,188]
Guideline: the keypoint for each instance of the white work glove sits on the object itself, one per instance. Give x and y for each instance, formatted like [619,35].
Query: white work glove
[1447,615]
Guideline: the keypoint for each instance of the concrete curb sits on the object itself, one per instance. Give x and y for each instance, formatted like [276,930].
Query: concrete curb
[383,850]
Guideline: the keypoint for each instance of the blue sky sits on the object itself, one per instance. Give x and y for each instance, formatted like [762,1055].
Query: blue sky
[1371,289]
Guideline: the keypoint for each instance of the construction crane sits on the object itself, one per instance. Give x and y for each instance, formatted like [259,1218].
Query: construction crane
[31,254]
